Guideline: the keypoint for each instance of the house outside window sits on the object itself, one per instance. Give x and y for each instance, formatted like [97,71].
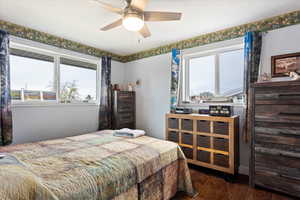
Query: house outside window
[40,76]
[216,76]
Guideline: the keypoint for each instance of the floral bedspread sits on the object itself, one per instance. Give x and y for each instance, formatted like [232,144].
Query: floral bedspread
[94,166]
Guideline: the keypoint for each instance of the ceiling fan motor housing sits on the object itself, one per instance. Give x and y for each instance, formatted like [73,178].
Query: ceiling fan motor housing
[133,12]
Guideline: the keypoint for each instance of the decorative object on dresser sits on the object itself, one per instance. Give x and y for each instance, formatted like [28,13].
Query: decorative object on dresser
[123,109]
[275,143]
[221,111]
[203,111]
[206,141]
[284,65]
[181,110]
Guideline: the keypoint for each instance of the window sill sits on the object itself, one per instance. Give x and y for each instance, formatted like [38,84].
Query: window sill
[47,104]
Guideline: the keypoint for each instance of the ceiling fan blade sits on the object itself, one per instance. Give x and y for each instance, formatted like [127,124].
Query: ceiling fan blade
[161,16]
[112,25]
[109,7]
[145,32]
[140,4]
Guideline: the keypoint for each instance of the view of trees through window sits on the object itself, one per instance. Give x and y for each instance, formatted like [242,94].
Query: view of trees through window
[35,80]
[77,84]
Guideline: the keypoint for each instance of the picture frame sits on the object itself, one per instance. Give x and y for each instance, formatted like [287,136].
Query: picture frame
[280,64]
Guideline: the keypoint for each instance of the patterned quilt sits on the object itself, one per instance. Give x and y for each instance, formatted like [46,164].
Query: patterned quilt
[96,166]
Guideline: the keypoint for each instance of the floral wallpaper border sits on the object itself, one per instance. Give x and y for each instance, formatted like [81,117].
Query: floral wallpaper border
[268,24]
[38,36]
[280,21]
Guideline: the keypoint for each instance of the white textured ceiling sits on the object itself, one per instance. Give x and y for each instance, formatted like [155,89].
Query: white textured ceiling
[80,20]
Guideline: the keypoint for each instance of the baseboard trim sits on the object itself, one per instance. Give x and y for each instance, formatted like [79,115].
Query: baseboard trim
[244,170]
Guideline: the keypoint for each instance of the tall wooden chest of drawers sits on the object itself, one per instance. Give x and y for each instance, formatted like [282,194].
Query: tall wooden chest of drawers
[123,109]
[206,141]
[275,155]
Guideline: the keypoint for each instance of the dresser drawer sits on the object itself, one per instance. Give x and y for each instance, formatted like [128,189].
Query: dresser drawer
[278,113]
[281,129]
[221,160]
[203,141]
[173,123]
[187,124]
[203,156]
[125,100]
[173,136]
[126,117]
[221,144]
[203,126]
[281,136]
[275,151]
[280,95]
[282,165]
[281,139]
[187,138]
[277,182]
[125,107]
[221,128]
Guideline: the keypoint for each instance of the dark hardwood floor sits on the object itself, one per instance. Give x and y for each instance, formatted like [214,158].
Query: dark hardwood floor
[212,186]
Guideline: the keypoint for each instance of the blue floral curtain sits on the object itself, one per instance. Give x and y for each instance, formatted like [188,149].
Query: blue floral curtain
[175,76]
[5,112]
[105,114]
[253,44]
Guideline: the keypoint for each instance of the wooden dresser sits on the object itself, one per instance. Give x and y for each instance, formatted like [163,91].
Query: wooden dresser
[275,128]
[206,141]
[123,109]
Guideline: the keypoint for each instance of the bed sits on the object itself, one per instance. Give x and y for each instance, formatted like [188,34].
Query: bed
[94,166]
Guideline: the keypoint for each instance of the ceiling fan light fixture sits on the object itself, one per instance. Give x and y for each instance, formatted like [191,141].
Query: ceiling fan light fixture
[133,22]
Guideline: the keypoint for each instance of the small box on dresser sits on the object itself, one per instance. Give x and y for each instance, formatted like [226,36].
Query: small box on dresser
[275,130]
[206,141]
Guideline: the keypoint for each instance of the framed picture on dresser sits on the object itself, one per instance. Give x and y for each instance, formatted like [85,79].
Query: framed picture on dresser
[283,64]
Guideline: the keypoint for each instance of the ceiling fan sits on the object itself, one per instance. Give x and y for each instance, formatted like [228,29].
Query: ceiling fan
[134,16]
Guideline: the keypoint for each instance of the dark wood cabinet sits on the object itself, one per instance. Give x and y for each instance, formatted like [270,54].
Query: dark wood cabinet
[275,128]
[123,109]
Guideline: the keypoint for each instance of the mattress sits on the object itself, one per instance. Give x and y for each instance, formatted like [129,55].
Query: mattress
[94,166]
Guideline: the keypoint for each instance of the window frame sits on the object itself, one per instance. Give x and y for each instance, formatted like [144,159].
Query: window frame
[56,53]
[186,57]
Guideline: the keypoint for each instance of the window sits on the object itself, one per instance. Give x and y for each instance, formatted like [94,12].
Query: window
[32,76]
[231,67]
[214,77]
[78,81]
[39,77]
[201,82]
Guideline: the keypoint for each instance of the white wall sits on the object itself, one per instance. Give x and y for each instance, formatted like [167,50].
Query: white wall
[278,42]
[36,123]
[154,73]
[152,96]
